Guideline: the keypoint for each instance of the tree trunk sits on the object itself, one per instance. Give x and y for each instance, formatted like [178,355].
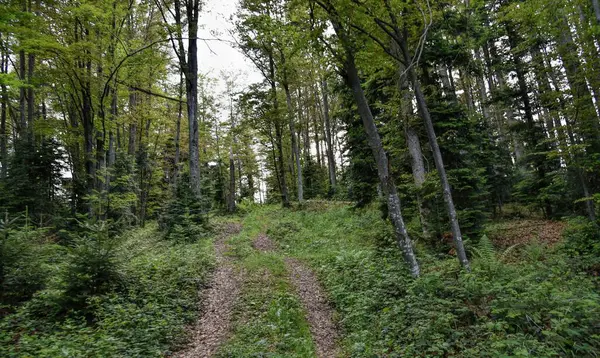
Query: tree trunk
[3,116]
[328,134]
[437,158]
[100,159]
[251,189]
[193,8]
[100,135]
[316,138]
[231,193]
[548,104]
[231,196]
[596,6]
[22,128]
[487,75]
[415,152]
[518,150]
[119,130]
[483,97]
[465,80]
[442,71]
[133,125]
[145,170]
[304,119]
[285,201]
[238,163]
[112,150]
[374,140]
[30,92]
[189,67]
[223,198]
[589,203]
[178,133]
[111,155]
[418,171]
[295,150]
[88,134]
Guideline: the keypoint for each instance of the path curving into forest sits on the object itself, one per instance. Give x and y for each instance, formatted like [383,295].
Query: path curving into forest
[213,327]
[319,313]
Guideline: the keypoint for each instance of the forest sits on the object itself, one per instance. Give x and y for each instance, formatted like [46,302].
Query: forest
[405,178]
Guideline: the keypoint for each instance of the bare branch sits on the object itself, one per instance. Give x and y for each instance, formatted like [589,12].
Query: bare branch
[149,92]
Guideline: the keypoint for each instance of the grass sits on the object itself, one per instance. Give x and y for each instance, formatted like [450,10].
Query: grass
[268,319]
[540,300]
[536,304]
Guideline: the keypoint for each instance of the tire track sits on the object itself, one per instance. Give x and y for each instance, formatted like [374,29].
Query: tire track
[319,314]
[217,303]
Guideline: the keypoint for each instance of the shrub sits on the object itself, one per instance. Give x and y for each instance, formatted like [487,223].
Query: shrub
[582,242]
[187,230]
[133,301]
[91,269]
[25,262]
[183,217]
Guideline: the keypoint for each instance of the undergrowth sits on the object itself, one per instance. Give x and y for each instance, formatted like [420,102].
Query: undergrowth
[131,295]
[530,300]
[128,296]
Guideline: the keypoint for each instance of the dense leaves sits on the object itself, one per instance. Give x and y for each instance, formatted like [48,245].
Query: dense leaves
[473,125]
[128,296]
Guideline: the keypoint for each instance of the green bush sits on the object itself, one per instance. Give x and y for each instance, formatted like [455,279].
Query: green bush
[91,269]
[26,262]
[185,210]
[582,241]
[246,205]
[137,308]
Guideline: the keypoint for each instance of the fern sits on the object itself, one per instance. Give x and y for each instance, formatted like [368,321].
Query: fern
[508,250]
[485,250]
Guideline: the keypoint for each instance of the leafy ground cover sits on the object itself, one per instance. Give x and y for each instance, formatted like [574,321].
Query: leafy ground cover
[133,295]
[524,231]
[130,296]
[532,300]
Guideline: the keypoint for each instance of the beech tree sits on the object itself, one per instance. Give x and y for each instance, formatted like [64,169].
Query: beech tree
[462,111]
[185,15]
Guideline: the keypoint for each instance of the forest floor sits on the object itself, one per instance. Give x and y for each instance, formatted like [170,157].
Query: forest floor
[319,280]
[525,231]
[327,281]
[217,322]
